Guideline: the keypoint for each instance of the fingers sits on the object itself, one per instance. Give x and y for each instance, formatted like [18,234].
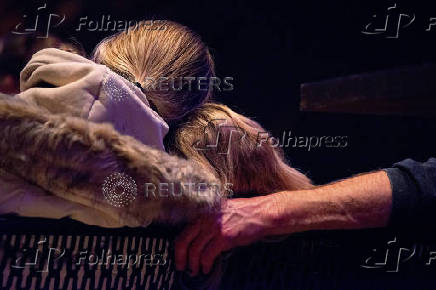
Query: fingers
[183,242]
[197,249]
[210,253]
[193,245]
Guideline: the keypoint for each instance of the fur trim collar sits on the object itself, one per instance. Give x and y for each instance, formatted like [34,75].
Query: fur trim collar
[72,158]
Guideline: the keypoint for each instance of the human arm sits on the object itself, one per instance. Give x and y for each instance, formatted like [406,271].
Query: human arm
[359,202]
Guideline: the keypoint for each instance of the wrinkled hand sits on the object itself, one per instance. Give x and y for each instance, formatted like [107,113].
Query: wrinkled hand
[240,222]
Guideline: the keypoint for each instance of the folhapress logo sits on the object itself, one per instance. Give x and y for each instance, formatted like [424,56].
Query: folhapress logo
[395,20]
[389,24]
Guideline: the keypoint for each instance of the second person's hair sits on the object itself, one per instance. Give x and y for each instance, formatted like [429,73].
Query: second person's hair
[227,144]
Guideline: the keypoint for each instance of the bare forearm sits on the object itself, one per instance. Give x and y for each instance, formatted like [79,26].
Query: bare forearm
[360,202]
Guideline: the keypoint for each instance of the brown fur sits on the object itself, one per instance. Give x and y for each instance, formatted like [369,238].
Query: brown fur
[70,157]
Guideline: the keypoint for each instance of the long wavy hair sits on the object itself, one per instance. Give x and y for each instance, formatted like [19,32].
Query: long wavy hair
[228,145]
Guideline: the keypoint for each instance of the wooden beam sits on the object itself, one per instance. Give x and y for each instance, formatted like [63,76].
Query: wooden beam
[403,91]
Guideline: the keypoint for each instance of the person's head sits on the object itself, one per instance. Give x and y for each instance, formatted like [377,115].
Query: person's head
[229,145]
[150,51]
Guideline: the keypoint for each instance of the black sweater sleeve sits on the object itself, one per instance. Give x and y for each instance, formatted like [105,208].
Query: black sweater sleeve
[413,193]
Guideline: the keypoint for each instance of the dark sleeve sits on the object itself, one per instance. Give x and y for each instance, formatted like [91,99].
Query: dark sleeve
[413,193]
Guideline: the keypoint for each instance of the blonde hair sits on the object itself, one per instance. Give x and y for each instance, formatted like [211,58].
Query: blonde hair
[227,144]
[152,50]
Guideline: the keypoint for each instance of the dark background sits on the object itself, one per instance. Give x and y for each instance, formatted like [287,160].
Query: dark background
[270,48]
